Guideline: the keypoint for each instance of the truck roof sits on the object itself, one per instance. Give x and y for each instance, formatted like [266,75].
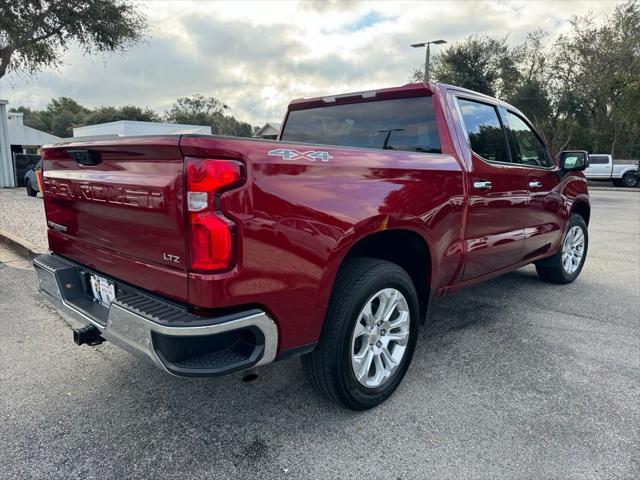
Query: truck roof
[416,89]
[409,90]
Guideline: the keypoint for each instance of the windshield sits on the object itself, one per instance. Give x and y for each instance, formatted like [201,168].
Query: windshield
[400,124]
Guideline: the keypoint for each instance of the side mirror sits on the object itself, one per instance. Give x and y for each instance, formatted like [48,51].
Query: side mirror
[573,160]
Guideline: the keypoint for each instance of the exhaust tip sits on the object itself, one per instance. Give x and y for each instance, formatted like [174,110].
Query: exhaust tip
[88,334]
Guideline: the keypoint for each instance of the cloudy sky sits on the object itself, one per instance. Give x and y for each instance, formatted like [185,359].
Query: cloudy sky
[256,56]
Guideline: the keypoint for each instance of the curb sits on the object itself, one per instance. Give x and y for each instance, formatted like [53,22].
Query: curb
[613,189]
[22,247]
[607,186]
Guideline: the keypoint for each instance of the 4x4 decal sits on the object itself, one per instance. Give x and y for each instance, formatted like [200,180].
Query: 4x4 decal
[311,155]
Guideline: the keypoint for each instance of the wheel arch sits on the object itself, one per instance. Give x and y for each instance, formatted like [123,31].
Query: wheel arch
[583,208]
[628,169]
[414,256]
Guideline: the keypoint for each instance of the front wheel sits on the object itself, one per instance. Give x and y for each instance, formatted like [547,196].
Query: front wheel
[369,335]
[566,265]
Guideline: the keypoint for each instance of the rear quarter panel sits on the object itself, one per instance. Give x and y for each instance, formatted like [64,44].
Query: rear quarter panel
[298,218]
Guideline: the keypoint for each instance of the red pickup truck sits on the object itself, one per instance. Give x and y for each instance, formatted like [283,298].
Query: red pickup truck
[208,255]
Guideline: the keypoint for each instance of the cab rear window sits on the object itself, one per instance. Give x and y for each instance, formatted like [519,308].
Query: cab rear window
[598,159]
[407,124]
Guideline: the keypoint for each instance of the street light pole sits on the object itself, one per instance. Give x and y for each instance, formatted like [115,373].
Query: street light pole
[428,55]
[426,64]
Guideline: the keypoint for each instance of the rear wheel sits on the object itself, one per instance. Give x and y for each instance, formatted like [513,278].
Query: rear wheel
[630,179]
[30,191]
[369,335]
[566,265]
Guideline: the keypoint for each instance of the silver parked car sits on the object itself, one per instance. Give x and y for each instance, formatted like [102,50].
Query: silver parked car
[31,180]
[623,173]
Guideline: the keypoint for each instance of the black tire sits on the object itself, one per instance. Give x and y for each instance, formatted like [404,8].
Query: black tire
[630,180]
[551,269]
[30,191]
[329,367]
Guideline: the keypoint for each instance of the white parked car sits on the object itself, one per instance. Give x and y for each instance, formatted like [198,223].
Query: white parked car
[623,173]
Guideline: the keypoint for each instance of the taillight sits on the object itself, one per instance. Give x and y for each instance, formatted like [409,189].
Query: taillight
[210,233]
[39,180]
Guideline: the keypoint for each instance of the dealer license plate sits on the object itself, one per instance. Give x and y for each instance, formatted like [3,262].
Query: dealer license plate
[103,290]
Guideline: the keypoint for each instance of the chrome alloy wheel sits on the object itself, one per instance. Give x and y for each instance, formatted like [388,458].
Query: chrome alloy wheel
[572,249]
[380,337]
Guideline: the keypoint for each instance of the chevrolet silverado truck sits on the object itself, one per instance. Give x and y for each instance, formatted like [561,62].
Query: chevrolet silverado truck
[208,255]
[623,173]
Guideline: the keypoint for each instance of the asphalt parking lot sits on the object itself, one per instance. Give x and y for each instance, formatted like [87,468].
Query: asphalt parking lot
[516,378]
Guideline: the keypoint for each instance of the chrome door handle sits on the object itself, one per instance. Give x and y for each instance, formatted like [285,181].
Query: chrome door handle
[535,184]
[482,185]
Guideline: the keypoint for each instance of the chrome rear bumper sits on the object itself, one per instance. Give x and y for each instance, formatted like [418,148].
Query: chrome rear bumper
[167,335]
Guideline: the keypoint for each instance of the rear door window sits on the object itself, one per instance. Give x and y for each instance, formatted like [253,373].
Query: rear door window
[484,130]
[598,159]
[401,124]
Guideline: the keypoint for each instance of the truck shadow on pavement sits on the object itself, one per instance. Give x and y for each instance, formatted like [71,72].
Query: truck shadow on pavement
[280,390]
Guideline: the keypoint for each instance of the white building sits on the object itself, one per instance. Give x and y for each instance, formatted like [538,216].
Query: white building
[25,139]
[16,138]
[128,128]
[269,130]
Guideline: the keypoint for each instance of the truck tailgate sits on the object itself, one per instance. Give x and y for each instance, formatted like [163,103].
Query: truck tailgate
[122,198]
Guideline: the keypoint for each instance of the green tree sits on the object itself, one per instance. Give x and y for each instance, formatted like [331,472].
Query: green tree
[64,113]
[233,127]
[196,110]
[600,65]
[127,112]
[528,88]
[484,64]
[201,110]
[34,33]
[581,90]
[59,118]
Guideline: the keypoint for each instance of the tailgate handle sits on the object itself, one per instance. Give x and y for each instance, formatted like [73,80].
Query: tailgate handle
[85,157]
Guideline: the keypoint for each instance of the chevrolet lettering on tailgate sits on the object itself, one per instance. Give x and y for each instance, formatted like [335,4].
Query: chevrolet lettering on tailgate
[104,193]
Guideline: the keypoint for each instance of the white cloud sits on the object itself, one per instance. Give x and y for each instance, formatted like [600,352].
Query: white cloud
[256,56]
